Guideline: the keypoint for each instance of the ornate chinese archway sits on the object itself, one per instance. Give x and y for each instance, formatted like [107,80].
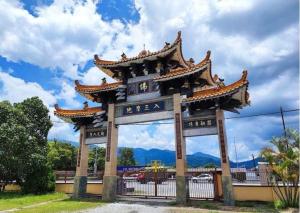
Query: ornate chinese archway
[155,86]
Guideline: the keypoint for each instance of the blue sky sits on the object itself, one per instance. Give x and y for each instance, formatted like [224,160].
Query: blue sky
[47,44]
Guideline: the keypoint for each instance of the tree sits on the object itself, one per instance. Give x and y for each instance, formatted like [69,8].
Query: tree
[62,156]
[14,140]
[100,158]
[126,157]
[210,165]
[283,159]
[23,145]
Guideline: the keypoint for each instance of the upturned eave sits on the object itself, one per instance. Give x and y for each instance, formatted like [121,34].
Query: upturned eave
[237,89]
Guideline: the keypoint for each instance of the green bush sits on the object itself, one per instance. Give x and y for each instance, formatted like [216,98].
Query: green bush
[278,204]
[40,180]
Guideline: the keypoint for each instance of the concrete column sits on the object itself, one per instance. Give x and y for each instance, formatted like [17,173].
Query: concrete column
[80,180]
[181,183]
[225,163]
[110,173]
[263,171]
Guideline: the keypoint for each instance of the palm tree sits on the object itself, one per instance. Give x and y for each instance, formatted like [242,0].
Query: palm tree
[283,159]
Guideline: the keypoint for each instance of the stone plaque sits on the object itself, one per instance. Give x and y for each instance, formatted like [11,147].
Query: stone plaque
[143,108]
[199,126]
[199,123]
[96,133]
[141,87]
[222,141]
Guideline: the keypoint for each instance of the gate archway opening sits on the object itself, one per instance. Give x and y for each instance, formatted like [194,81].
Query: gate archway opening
[203,159]
[152,144]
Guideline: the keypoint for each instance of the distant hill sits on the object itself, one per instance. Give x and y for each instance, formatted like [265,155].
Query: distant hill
[167,157]
[198,159]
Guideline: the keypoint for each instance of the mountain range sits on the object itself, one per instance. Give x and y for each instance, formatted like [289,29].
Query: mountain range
[167,158]
[198,159]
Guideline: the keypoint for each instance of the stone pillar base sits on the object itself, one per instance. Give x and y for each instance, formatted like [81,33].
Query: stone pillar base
[227,191]
[109,188]
[79,188]
[181,190]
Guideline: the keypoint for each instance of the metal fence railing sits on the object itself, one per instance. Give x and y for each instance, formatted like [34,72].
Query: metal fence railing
[250,177]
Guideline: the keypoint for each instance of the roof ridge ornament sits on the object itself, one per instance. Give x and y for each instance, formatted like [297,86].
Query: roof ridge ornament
[207,57]
[56,106]
[244,76]
[103,81]
[85,105]
[124,57]
[178,35]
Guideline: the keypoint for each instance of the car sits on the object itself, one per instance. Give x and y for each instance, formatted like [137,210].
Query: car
[202,178]
[131,177]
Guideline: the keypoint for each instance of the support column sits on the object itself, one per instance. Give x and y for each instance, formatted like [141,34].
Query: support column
[225,163]
[110,173]
[181,183]
[80,180]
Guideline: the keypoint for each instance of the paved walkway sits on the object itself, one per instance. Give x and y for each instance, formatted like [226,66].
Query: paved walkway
[141,208]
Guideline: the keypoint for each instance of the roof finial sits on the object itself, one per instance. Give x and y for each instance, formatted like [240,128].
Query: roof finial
[103,81]
[124,57]
[144,46]
[56,106]
[85,105]
[207,57]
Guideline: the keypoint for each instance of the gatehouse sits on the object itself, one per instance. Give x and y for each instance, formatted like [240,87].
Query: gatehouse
[149,87]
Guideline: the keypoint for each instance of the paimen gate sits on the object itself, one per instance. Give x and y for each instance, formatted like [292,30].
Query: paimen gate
[154,86]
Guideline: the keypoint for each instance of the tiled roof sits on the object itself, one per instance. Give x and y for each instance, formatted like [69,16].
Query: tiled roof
[219,91]
[179,72]
[142,55]
[96,88]
[79,113]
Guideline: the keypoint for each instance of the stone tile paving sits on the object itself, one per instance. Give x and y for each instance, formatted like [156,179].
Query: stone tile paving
[141,208]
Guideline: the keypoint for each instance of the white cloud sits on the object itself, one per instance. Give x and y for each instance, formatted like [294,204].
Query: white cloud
[93,76]
[65,34]
[16,90]
[231,6]
[162,136]
[68,94]
[284,89]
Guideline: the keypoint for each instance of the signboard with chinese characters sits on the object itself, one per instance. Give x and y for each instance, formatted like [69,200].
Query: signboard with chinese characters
[144,108]
[199,123]
[142,88]
[194,126]
[144,111]
[96,135]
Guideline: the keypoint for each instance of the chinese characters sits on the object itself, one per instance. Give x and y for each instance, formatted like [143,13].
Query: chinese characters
[96,133]
[144,108]
[200,123]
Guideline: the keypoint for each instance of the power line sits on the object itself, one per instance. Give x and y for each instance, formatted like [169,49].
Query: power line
[235,117]
[263,114]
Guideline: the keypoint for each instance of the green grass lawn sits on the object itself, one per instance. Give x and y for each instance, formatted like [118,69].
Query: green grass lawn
[10,200]
[68,205]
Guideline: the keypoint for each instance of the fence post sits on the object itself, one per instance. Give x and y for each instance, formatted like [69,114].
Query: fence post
[65,176]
